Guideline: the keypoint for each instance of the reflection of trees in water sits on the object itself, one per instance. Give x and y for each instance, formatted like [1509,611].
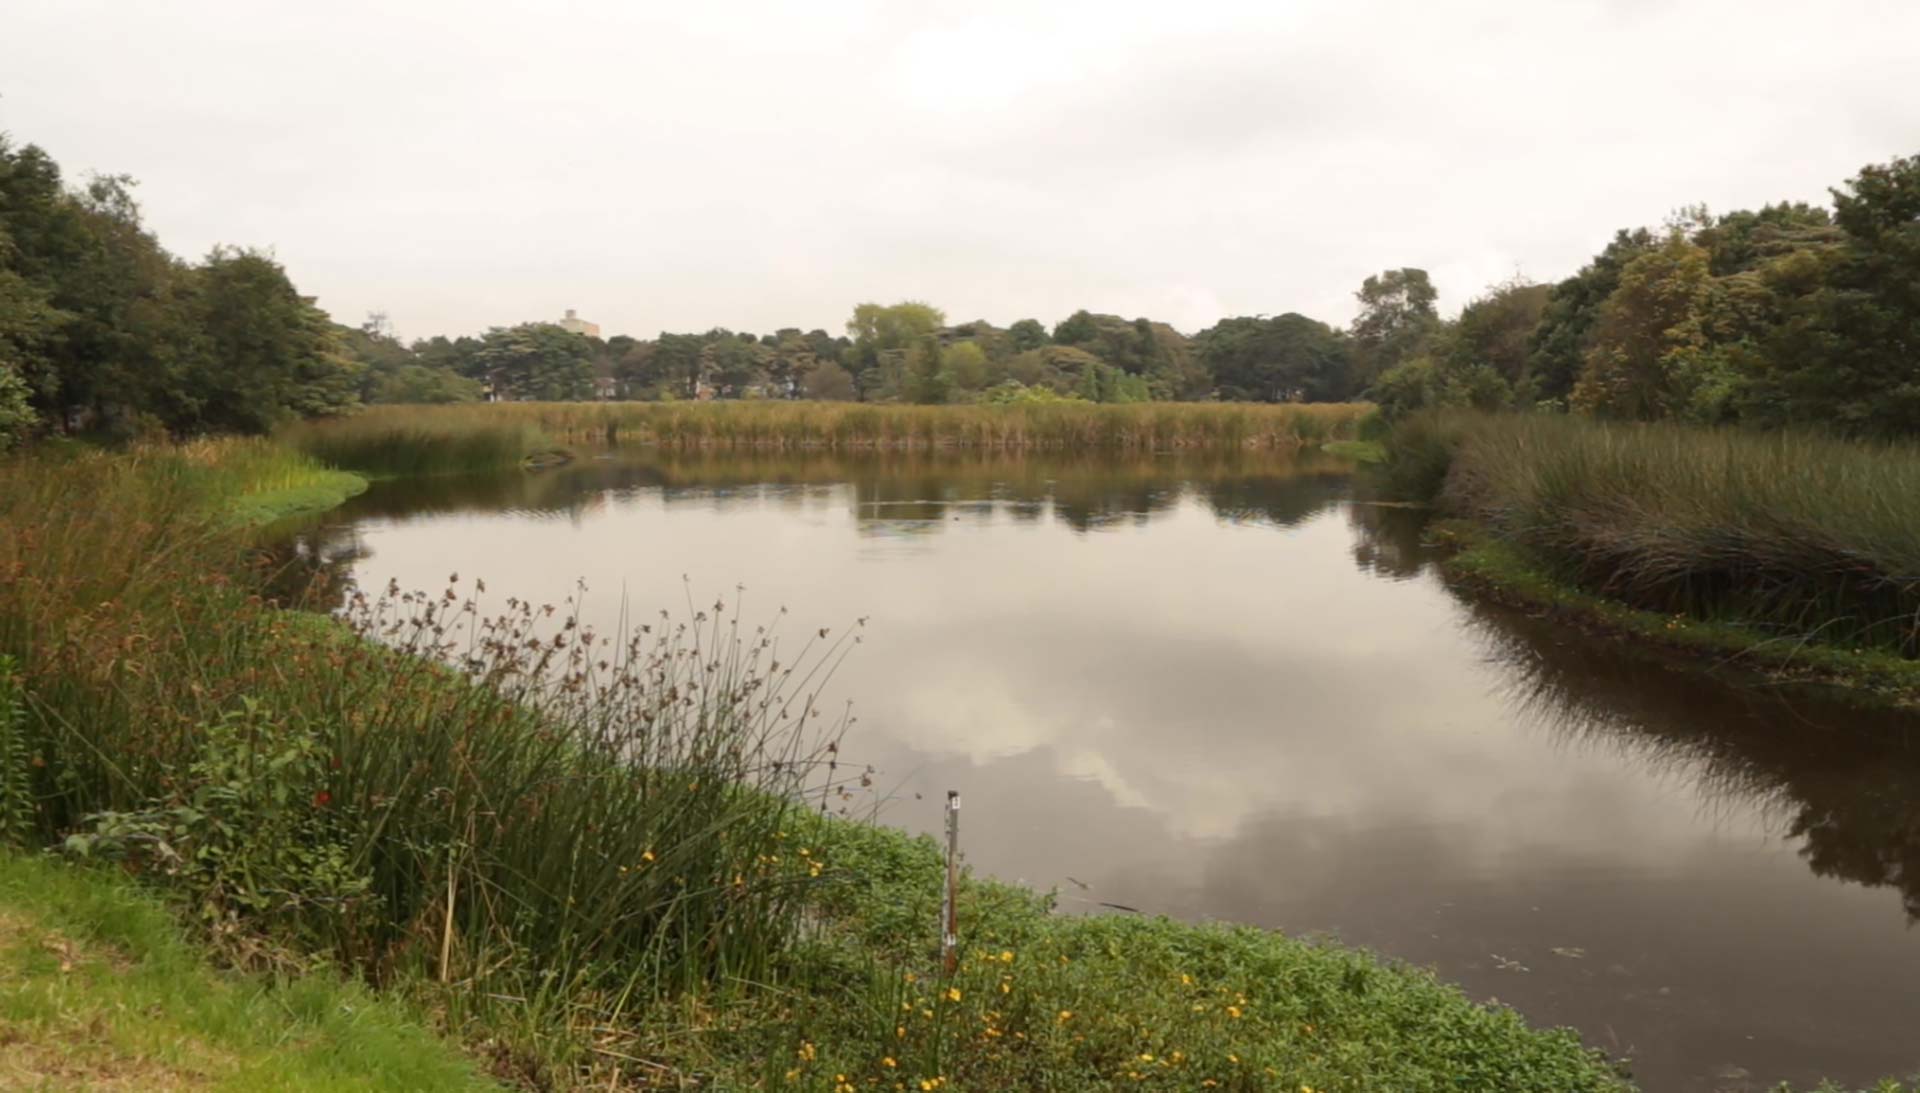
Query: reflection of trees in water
[1846,780]
[1388,539]
[897,493]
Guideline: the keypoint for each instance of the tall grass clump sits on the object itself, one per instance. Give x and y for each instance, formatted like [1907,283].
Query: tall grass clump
[418,439]
[1807,535]
[571,824]
[396,441]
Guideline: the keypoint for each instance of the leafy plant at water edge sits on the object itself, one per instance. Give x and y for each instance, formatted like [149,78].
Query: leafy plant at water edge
[248,828]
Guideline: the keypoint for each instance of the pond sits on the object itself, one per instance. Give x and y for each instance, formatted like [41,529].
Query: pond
[1234,689]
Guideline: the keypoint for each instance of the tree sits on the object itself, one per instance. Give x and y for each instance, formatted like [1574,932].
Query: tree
[1494,330]
[1274,360]
[1027,334]
[1076,329]
[676,362]
[1653,338]
[882,336]
[270,355]
[537,361]
[1844,349]
[827,381]
[1556,350]
[1396,318]
[16,413]
[738,364]
[417,383]
[965,365]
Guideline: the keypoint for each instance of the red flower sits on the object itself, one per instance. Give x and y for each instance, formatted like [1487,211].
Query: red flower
[322,799]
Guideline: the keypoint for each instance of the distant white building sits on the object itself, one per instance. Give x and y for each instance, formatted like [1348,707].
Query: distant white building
[574,324]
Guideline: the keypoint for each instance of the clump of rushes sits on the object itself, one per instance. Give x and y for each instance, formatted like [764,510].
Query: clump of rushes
[530,815]
[1799,534]
[415,439]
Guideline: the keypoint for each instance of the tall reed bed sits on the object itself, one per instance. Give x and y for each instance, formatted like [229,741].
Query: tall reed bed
[566,823]
[411,439]
[1807,534]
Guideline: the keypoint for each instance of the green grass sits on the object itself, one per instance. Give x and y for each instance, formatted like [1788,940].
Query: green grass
[99,990]
[1360,451]
[1798,536]
[1050,1001]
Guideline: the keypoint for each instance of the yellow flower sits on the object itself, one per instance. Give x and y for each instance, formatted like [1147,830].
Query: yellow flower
[793,1075]
[646,855]
[899,1032]
[888,1062]
[1233,1012]
[1186,980]
[1006,956]
[1233,1058]
[806,1051]
[1146,1057]
[953,994]
[1066,1015]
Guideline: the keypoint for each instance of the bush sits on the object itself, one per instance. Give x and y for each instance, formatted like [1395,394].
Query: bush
[16,414]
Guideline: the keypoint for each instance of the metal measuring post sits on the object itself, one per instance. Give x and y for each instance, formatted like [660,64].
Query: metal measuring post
[949,914]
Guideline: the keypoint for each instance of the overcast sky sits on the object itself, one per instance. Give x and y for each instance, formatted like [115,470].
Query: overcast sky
[470,163]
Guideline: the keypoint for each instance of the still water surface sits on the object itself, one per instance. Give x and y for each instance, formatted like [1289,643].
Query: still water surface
[1228,689]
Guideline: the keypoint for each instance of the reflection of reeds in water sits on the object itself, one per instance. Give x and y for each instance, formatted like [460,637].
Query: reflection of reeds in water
[1082,491]
[1844,782]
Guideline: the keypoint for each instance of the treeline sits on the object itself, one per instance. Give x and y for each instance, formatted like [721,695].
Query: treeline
[1787,315]
[1792,314]
[903,352]
[101,328]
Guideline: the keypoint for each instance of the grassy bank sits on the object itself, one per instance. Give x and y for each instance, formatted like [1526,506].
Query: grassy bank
[100,990]
[416,439]
[1791,546]
[589,853]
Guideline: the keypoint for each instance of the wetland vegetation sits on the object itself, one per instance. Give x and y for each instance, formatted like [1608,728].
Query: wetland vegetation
[600,850]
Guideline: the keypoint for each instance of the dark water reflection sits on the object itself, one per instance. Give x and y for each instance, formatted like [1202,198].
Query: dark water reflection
[1228,689]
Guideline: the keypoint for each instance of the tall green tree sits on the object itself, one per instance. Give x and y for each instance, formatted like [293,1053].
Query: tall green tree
[1557,348]
[537,361]
[1276,359]
[1845,349]
[1494,330]
[1397,317]
[1027,334]
[1652,337]
[884,338]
